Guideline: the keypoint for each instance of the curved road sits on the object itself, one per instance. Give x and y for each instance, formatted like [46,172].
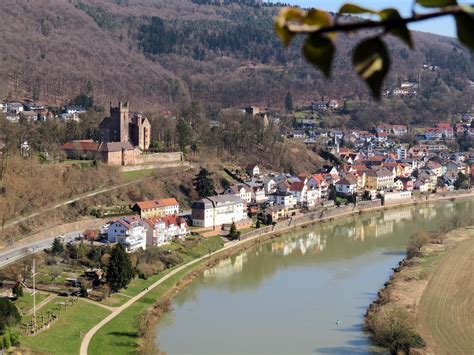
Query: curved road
[18,253]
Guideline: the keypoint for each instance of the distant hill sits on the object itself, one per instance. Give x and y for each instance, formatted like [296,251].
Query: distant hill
[158,53]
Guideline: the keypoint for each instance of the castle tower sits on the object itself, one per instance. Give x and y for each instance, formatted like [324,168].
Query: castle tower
[120,122]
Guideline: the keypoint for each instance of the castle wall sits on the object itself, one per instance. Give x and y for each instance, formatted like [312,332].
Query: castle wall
[159,158]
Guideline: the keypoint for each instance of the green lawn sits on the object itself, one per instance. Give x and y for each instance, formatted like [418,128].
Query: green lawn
[65,336]
[120,336]
[137,174]
[25,303]
[115,300]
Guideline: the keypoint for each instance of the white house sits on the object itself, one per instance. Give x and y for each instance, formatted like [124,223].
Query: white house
[269,184]
[164,230]
[128,231]
[304,195]
[217,210]
[258,195]
[14,107]
[282,199]
[347,185]
[242,191]
[253,170]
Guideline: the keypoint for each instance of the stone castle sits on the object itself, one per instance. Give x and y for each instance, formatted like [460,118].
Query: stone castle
[124,126]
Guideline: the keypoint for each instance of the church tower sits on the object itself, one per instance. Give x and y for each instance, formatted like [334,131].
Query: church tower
[120,122]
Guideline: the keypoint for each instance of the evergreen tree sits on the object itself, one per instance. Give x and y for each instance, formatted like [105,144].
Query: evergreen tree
[203,184]
[289,102]
[184,134]
[58,247]
[9,315]
[462,182]
[233,232]
[119,270]
[332,193]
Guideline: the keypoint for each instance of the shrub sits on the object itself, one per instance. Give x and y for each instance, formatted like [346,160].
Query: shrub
[416,243]
[393,329]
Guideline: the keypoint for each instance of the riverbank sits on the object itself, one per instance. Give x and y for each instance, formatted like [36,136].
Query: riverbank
[99,333]
[431,288]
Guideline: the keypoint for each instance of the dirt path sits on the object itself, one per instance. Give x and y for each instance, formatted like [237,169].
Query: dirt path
[446,308]
[43,303]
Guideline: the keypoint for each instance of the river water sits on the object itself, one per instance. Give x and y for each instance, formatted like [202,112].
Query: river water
[287,295]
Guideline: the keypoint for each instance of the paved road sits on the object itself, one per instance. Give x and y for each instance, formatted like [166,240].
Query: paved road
[11,255]
[71,201]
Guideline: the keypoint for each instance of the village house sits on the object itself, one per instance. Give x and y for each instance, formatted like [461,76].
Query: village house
[399,130]
[252,170]
[280,198]
[317,181]
[217,210]
[157,208]
[304,195]
[258,195]
[128,231]
[347,185]
[269,185]
[273,214]
[14,107]
[379,179]
[407,183]
[422,185]
[241,190]
[163,230]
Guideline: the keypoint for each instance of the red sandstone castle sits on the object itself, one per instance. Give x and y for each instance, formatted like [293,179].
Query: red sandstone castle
[123,126]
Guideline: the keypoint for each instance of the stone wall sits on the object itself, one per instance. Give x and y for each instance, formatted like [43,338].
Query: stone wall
[159,158]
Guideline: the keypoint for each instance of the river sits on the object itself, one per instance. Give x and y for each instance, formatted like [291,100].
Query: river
[287,295]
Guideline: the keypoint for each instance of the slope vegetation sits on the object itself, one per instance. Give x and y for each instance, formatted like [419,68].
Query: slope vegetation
[159,53]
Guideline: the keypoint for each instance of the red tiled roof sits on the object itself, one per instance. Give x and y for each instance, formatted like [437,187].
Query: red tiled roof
[83,145]
[144,205]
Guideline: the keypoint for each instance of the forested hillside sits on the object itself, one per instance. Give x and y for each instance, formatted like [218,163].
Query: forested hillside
[161,53]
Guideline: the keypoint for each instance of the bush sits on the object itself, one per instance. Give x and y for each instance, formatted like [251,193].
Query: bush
[393,329]
[415,244]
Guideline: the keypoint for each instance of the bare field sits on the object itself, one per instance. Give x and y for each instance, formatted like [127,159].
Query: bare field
[445,314]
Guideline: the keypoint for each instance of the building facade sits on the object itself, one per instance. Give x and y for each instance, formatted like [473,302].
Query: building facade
[157,208]
[217,210]
[128,231]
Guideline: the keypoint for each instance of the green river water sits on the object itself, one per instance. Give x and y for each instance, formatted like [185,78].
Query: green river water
[285,296]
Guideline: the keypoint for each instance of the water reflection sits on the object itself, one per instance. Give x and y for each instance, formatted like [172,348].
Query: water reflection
[283,296]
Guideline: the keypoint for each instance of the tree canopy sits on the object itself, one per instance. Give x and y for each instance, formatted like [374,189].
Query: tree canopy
[203,183]
[9,315]
[119,270]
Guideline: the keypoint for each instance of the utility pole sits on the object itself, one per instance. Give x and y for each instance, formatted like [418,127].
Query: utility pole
[34,293]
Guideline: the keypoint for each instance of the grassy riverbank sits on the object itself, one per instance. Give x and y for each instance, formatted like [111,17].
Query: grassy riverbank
[428,294]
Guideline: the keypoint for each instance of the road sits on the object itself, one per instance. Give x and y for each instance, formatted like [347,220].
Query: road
[11,255]
[71,201]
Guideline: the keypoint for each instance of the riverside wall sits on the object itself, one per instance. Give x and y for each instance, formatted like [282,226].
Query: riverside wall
[324,213]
